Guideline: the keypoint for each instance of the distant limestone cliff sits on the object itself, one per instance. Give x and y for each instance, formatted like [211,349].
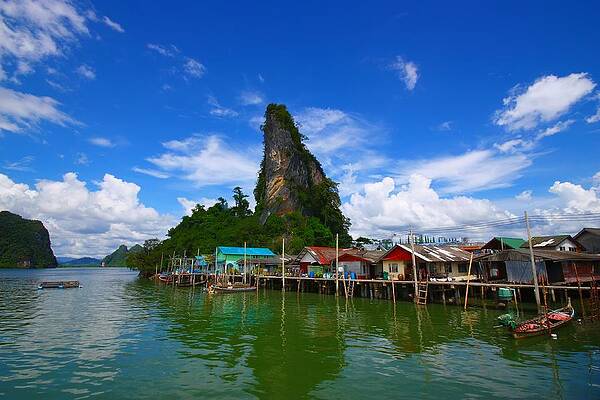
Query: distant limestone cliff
[118,258]
[292,179]
[24,243]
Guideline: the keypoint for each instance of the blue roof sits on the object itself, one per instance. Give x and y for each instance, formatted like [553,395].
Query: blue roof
[250,251]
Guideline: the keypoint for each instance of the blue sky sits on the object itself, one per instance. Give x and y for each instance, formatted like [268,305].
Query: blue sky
[117,116]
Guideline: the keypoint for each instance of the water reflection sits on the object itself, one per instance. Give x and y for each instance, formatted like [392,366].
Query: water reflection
[124,337]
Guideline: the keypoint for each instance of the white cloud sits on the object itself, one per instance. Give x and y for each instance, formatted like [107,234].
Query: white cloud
[22,165]
[194,68]
[553,130]
[590,120]
[407,71]
[84,222]
[33,30]
[209,160]
[548,98]
[151,172]
[101,142]
[575,198]
[256,121]
[524,195]
[167,51]
[249,97]
[188,205]
[219,111]
[86,71]
[472,171]
[330,130]
[115,26]
[382,209]
[19,111]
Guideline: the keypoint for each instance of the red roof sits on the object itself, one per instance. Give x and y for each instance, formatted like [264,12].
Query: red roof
[324,255]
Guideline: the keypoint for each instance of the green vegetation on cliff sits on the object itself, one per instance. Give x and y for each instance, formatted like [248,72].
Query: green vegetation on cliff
[24,242]
[222,225]
[118,258]
[294,200]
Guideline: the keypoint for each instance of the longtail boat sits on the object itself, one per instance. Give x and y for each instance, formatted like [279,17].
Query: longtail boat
[545,323]
[231,288]
[59,285]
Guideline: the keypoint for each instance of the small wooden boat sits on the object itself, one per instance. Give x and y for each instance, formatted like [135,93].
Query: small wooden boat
[545,323]
[59,285]
[231,288]
[166,278]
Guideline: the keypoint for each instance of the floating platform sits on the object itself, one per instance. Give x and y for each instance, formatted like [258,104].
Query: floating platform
[59,285]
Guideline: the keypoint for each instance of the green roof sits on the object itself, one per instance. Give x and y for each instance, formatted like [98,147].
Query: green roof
[515,243]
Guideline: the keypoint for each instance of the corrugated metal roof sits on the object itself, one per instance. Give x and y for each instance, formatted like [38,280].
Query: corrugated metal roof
[593,231]
[547,241]
[551,255]
[507,242]
[250,251]
[438,253]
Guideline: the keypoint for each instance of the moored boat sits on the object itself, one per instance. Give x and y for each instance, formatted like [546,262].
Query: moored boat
[59,285]
[232,288]
[545,323]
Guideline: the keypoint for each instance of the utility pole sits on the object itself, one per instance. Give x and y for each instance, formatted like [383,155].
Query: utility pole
[414,264]
[283,265]
[533,269]
[244,276]
[336,264]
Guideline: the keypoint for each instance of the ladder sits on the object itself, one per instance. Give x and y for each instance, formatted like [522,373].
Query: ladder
[422,289]
[594,301]
[351,284]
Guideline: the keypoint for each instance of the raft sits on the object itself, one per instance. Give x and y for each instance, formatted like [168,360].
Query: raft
[59,285]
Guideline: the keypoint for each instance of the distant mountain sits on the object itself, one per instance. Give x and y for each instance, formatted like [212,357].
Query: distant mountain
[78,262]
[62,260]
[118,257]
[24,243]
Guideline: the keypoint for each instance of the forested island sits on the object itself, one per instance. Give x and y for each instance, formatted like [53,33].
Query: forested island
[294,199]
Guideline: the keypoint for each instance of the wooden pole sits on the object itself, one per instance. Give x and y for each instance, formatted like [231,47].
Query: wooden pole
[533,269]
[244,276]
[414,265]
[393,292]
[283,265]
[468,281]
[579,286]
[336,264]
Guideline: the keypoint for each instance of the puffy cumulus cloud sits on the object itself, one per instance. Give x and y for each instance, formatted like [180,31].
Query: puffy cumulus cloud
[188,205]
[209,160]
[381,209]
[84,222]
[19,111]
[575,198]
[407,72]
[472,171]
[31,30]
[548,98]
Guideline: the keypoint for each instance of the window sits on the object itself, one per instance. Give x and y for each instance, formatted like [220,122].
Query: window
[562,248]
[394,268]
[448,268]
[572,249]
[462,268]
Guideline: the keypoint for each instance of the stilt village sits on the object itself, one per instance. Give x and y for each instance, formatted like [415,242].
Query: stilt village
[504,271]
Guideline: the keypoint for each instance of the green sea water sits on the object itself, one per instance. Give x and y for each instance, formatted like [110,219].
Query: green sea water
[122,337]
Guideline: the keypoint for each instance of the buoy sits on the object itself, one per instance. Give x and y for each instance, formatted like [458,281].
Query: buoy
[554,336]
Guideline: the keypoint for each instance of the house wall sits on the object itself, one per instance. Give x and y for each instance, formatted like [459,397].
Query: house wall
[590,241]
[358,267]
[399,268]
[450,269]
